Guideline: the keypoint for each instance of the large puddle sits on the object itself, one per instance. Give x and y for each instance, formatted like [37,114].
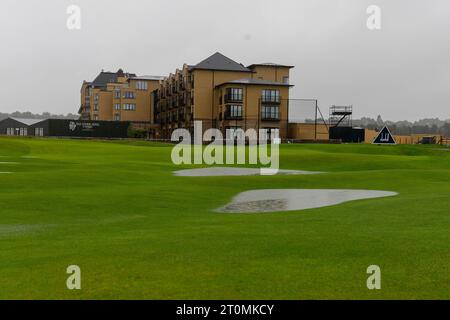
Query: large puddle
[256,201]
[231,171]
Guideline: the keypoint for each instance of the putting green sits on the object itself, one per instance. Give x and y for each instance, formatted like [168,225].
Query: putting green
[138,232]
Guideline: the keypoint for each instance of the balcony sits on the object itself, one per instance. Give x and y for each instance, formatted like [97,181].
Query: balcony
[270,100]
[229,116]
[233,113]
[181,116]
[181,101]
[233,98]
[270,116]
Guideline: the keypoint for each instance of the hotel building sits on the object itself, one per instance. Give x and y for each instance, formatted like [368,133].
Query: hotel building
[218,91]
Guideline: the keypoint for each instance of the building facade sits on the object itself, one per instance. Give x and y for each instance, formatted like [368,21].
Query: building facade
[224,94]
[118,96]
[218,91]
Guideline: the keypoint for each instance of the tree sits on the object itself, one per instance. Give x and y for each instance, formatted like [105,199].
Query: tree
[380,121]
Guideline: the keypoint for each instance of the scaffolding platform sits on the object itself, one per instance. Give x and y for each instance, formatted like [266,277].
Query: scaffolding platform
[341,116]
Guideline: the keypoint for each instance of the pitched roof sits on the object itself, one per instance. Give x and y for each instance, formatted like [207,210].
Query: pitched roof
[104,78]
[28,122]
[108,77]
[220,63]
[260,82]
[269,64]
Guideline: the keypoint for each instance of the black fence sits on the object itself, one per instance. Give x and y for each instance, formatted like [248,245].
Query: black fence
[347,134]
[84,129]
[65,128]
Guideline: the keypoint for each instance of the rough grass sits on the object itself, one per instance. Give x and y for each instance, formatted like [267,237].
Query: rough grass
[138,232]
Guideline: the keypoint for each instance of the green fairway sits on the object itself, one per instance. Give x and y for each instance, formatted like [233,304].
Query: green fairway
[138,232]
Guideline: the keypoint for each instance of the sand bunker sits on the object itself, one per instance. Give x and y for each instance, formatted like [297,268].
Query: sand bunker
[295,199]
[230,171]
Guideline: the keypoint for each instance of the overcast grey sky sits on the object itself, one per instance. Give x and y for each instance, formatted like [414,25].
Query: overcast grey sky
[401,71]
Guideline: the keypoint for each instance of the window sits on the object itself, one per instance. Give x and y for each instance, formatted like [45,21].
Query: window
[141,85]
[129,95]
[235,111]
[271,133]
[286,80]
[117,106]
[23,132]
[117,117]
[96,97]
[96,107]
[10,131]
[270,112]
[271,95]
[39,132]
[129,106]
[234,94]
[117,94]
[95,117]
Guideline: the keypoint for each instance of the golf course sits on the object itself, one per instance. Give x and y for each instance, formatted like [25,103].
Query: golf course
[137,231]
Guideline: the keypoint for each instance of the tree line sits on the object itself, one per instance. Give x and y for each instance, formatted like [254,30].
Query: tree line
[43,115]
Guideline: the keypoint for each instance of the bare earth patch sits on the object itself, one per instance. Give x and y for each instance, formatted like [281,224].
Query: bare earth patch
[231,171]
[256,201]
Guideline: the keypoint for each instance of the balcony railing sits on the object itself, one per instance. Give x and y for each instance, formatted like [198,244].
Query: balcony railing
[233,98]
[229,116]
[181,116]
[235,114]
[271,99]
[270,116]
